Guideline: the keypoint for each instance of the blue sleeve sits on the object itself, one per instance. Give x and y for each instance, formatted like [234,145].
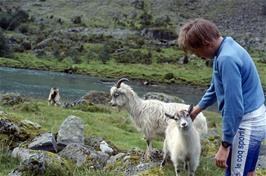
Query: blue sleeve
[233,111]
[208,98]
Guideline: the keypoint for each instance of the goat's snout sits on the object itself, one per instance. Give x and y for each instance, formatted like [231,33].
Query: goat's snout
[112,103]
[183,124]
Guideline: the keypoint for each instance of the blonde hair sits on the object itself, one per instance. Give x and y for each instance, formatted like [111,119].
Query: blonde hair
[197,34]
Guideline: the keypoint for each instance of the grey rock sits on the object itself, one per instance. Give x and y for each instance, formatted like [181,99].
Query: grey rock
[21,153]
[81,154]
[30,123]
[71,131]
[38,162]
[136,170]
[15,172]
[45,142]
[7,127]
[262,162]
[105,148]
[263,150]
[95,142]
[115,158]
[162,97]
[97,97]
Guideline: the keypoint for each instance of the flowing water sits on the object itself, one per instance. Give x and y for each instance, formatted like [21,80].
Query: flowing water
[37,84]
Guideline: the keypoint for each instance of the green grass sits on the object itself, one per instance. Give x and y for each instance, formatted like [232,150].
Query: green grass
[7,164]
[110,124]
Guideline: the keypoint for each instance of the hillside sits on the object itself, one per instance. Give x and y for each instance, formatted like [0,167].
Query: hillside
[242,19]
[90,37]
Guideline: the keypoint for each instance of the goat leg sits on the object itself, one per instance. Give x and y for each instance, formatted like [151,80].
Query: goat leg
[148,150]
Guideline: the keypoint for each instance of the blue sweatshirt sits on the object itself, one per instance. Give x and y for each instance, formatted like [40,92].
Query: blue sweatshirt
[235,86]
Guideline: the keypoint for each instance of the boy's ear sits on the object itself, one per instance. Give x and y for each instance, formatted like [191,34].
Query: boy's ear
[206,43]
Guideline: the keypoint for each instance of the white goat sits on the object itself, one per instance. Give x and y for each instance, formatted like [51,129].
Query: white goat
[149,115]
[54,97]
[182,141]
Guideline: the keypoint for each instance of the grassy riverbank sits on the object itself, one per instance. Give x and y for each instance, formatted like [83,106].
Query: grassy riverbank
[193,73]
[110,124]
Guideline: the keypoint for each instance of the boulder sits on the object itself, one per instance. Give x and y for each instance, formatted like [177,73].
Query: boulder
[33,162]
[12,99]
[13,132]
[100,144]
[97,97]
[45,141]
[162,97]
[83,155]
[71,131]
[262,157]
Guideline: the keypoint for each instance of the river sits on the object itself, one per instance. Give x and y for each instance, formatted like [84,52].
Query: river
[37,84]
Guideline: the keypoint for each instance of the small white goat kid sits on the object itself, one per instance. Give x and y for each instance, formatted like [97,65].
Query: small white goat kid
[182,142]
[54,97]
[149,115]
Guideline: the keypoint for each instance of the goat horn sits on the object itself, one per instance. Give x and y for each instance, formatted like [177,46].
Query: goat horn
[169,116]
[190,109]
[120,81]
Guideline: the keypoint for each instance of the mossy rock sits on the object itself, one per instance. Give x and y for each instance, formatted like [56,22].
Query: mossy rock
[35,162]
[11,99]
[13,132]
[156,171]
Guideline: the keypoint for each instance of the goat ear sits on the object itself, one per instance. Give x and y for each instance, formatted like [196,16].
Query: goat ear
[190,109]
[169,116]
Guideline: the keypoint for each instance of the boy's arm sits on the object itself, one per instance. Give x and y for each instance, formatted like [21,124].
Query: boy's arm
[207,100]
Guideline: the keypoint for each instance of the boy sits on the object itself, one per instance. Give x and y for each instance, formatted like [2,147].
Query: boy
[237,89]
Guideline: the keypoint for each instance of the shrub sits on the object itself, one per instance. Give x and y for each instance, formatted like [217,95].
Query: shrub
[134,56]
[166,59]
[145,19]
[10,21]
[23,28]
[104,54]
[169,76]
[4,48]
[5,19]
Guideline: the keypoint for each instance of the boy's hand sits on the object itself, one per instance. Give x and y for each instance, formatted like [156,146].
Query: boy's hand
[221,157]
[196,110]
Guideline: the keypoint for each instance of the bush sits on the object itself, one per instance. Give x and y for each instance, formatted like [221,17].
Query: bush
[4,48]
[169,76]
[104,54]
[5,19]
[10,21]
[162,21]
[134,56]
[164,59]
[145,19]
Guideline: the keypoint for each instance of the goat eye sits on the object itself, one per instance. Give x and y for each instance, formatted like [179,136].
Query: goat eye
[116,95]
